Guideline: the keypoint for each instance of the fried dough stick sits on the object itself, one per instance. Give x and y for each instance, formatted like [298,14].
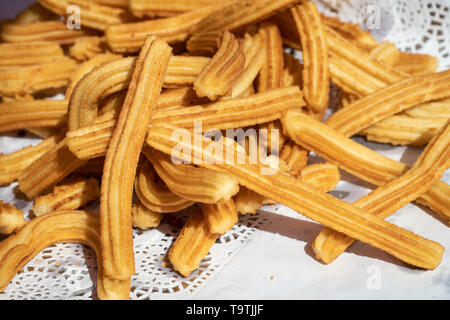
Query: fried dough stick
[385,200]
[306,200]
[52,228]
[357,159]
[122,157]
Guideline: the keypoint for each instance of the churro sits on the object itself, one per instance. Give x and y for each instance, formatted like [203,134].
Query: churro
[356,159]
[115,76]
[428,169]
[314,204]
[92,141]
[130,37]
[12,165]
[241,14]
[315,55]
[154,194]
[11,218]
[71,195]
[223,70]
[143,218]
[390,100]
[31,79]
[193,183]
[192,244]
[57,227]
[122,157]
[294,156]
[248,201]
[220,217]
[141,8]
[34,113]
[94,15]
[322,176]
[28,53]
[54,31]
[404,130]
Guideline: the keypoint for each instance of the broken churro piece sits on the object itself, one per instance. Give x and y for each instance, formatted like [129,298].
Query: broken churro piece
[192,244]
[11,218]
[144,218]
[71,195]
[220,217]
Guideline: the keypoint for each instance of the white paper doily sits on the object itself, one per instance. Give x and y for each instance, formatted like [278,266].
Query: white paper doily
[68,271]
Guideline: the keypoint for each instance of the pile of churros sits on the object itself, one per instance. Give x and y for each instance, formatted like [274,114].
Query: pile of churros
[179,103]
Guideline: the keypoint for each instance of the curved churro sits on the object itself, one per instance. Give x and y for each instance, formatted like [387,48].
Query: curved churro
[34,113]
[86,67]
[154,194]
[356,159]
[130,37]
[57,227]
[31,79]
[122,157]
[223,70]
[94,15]
[71,195]
[28,53]
[12,165]
[193,183]
[314,204]
[92,141]
[11,218]
[115,76]
[143,218]
[388,101]
[220,217]
[428,169]
[192,244]
[315,55]
[85,48]
[55,31]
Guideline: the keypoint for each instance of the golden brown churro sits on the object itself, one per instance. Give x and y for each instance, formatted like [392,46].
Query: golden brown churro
[122,157]
[93,15]
[192,244]
[11,218]
[34,78]
[28,53]
[224,69]
[220,217]
[193,183]
[248,201]
[130,37]
[12,165]
[295,157]
[390,100]
[35,113]
[54,31]
[144,218]
[71,195]
[356,159]
[141,8]
[428,169]
[314,204]
[57,227]
[315,55]
[92,141]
